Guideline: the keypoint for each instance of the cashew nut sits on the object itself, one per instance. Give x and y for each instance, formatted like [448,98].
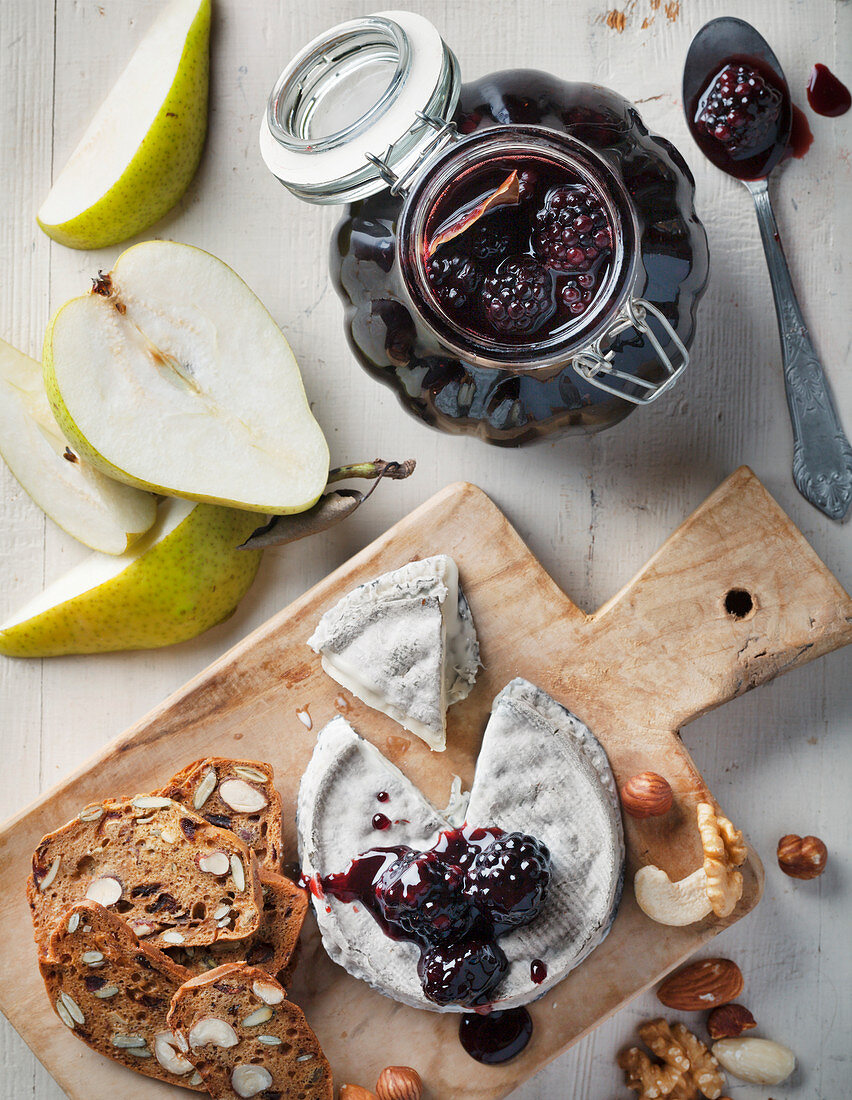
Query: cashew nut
[672,903]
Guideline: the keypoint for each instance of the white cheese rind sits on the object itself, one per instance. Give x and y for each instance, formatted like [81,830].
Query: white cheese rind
[540,771]
[404,644]
[337,801]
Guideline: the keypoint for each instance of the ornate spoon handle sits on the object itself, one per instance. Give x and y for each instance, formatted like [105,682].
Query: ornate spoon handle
[822,455]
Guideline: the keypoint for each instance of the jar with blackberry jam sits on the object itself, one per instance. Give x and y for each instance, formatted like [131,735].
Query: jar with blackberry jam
[519,255]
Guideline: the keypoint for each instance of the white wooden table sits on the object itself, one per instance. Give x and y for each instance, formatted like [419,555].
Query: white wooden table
[593,510]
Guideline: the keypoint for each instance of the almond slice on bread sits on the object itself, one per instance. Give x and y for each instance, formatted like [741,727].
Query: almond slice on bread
[114,993]
[285,906]
[246,1039]
[160,867]
[239,795]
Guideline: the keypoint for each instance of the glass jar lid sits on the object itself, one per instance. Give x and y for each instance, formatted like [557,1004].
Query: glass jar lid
[359,107]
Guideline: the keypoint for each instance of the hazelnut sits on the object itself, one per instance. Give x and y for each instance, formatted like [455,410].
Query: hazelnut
[647,795]
[802,856]
[399,1083]
[729,1021]
[355,1092]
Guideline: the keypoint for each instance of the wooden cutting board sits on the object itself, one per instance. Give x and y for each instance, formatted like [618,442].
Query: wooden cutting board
[735,597]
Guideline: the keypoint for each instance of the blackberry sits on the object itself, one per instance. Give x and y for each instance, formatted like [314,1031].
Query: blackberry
[494,237]
[454,279]
[740,110]
[462,973]
[527,180]
[421,896]
[572,231]
[508,881]
[518,297]
[577,294]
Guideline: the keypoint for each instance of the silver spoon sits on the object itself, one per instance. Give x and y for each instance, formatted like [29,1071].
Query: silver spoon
[822,455]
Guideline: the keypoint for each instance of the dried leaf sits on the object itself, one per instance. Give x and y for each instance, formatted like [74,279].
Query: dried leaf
[331,508]
[507,194]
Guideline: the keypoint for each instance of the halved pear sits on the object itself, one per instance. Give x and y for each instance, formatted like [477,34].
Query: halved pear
[173,377]
[100,512]
[143,146]
[184,576]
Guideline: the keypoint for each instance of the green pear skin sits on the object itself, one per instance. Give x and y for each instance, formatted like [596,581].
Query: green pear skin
[165,163]
[181,586]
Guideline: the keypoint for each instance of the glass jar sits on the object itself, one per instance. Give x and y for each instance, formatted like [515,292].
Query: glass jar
[564,303]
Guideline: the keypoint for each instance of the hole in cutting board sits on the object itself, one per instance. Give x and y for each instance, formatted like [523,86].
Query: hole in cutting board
[738,603]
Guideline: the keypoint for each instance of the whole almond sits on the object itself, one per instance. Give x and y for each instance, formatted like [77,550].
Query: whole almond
[758,1061]
[647,795]
[355,1092]
[802,856]
[702,984]
[399,1083]
[728,1021]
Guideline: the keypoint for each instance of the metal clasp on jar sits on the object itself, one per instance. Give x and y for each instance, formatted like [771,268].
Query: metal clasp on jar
[445,133]
[596,366]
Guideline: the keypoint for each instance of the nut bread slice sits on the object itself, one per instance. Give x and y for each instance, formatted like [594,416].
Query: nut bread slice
[114,993]
[239,795]
[171,875]
[246,1039]
[272,946]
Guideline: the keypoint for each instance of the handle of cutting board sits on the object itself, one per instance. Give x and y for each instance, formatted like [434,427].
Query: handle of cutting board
[735,597]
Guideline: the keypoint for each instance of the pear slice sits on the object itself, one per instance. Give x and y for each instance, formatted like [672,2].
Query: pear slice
[95,509]
[184,576]
[143,146]
[172,376]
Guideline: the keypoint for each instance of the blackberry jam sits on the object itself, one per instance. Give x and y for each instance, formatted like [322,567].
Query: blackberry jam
[526,268]
[453,901]
[826,94]
[742,118]
[520,256]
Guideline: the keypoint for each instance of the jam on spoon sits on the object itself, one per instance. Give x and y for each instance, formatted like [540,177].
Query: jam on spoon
[739,117]
[822,462]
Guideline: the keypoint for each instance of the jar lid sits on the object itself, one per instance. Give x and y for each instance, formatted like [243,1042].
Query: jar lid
[359,106]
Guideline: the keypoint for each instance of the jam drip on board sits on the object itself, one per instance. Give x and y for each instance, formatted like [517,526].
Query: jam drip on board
[742,118]
[454,901]
[496,1037]
[520,270]
[826,94]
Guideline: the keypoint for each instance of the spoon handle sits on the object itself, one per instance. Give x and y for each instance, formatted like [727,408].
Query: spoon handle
[822,455]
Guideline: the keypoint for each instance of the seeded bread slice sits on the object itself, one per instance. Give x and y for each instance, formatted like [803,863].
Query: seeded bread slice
[284,908]
[246,1039]
[239,795]
[114,993]
[174,877]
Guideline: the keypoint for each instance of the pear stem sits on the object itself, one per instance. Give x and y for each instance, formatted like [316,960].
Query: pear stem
[378,468]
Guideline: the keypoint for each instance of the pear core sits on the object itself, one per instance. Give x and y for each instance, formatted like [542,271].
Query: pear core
[173,377]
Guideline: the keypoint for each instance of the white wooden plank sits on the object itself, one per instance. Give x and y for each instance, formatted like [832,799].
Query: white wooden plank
[593,509]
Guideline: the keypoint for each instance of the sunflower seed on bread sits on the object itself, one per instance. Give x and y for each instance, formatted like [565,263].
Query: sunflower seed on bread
[144,859]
